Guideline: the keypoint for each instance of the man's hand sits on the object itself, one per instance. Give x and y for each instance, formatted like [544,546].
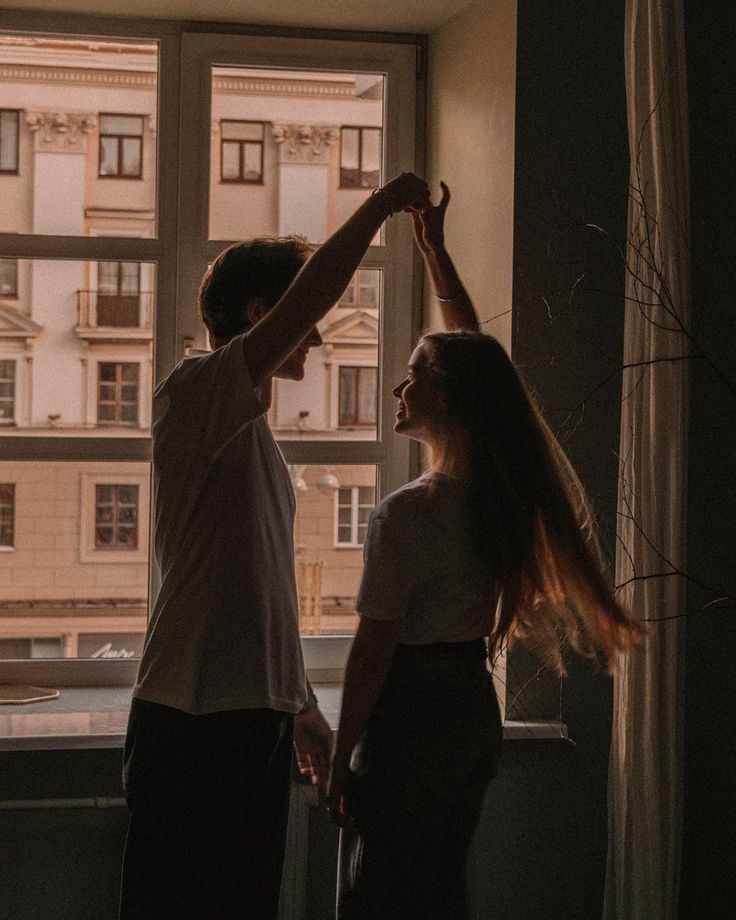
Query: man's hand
[407,192]
[313,745]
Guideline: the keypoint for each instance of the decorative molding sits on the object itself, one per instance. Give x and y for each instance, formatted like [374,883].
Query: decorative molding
[60,132]
[10,73]
[273,86]
[304,143]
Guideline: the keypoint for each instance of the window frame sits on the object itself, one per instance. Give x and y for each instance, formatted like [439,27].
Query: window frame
[183,57]
[355,506]
[119,403]
[116,545]
[9,422]
[120,138]
[356,422]
[241,179]
[16,171]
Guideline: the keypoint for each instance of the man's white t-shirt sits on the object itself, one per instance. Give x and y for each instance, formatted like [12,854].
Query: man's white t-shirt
[224,632]
[420,565]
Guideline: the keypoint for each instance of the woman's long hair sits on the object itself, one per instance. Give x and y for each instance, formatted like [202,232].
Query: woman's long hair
[531,518]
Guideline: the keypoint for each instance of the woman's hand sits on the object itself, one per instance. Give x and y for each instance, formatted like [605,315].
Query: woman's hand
[429,223]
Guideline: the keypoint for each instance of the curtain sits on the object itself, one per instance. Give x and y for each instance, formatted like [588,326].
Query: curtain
[645,777]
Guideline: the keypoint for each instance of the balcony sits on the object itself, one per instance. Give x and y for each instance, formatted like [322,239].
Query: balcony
[104,318]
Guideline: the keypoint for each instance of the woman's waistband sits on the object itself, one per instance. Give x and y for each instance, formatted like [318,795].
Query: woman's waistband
[470,650]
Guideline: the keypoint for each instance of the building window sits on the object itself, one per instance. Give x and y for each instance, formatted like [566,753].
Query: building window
[7,392]
[241,151]
[121,146]
[8,277]
[116,517]
[47,647]
[117,393]
[360,157]
[7,515]
[363,289]
[357,396]
[354,507]
[9,131]
[118,293]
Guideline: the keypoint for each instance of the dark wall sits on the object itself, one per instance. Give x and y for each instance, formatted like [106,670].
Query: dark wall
[569,222]
[61,863]
[709,853]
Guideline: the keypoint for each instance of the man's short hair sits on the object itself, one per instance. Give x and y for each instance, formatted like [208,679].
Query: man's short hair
[259,268]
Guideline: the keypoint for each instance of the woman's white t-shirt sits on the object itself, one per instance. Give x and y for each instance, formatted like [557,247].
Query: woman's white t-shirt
[420,565]
[224,632]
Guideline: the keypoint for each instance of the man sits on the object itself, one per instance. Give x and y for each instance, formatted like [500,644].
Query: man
[221,689]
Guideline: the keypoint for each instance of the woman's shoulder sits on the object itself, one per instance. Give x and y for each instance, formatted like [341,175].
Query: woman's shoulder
[418,497]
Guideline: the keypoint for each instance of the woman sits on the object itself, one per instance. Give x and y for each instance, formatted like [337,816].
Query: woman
[494,541]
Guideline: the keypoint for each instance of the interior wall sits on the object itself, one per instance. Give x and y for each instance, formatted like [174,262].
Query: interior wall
[708,884]
[470,144]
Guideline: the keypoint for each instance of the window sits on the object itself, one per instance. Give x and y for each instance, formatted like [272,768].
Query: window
[8,277]
[360,157]
[7,515]
[241,151]
[118,293]
[82,403]
[7,392]
[117,393]
[121,146]
[42,647]
[354,507]
[363,290]
[9,131]
[116,517]
[357,397]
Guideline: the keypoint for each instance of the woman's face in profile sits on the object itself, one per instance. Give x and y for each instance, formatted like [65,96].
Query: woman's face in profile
[421,412]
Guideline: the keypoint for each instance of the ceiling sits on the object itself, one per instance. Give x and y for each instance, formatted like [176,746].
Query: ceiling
[418,16]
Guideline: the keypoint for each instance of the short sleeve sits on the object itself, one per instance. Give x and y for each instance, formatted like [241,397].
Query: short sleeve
[392,564]
[204,402]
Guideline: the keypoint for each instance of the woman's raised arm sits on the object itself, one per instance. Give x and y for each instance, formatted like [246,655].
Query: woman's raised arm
[458,312]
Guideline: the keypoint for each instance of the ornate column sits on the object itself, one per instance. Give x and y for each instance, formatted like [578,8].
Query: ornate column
[59,168]
[59,183]
[303,157]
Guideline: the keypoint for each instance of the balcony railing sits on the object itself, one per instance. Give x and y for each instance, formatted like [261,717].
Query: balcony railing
[96,309]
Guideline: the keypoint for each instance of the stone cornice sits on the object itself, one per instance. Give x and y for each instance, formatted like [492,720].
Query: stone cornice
[18,73]
[273,86]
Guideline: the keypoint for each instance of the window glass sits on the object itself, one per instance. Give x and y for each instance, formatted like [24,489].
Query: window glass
[88,328]
[278,135]
[88,114]
[7,392]
[338,398]
[8,278]
[333,507]
[7,515]
[79,559]
[9,123]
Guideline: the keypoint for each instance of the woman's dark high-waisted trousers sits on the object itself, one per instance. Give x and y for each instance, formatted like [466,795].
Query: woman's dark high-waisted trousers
[209,804]
[419,776]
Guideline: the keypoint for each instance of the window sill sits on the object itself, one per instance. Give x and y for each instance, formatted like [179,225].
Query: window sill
[96,717]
